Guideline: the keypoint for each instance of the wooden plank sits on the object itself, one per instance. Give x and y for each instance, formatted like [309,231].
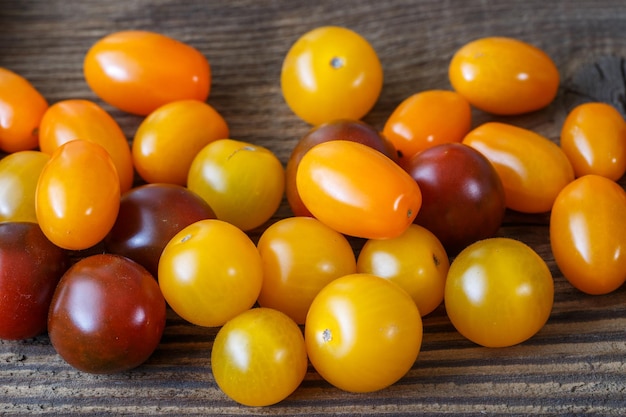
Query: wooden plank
[574,366]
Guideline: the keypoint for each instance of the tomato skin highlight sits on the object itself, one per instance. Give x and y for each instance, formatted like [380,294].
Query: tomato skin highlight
[21,108]
[533,169]
[587,225]
[357,190]
[504,76]
[139,71]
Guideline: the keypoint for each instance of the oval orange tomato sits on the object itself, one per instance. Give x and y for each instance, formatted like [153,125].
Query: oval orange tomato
[504,75]
[139,71]
[357,190]
[21,109]
[78,195]
[83,119]
[587,234]
[533,169]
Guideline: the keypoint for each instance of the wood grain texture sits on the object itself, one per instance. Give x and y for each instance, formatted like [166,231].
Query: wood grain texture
[574,366]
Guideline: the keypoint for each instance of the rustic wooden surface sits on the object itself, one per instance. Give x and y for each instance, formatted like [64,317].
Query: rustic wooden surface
[574,366]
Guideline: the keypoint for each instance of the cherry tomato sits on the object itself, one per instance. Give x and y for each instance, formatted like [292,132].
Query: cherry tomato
[210,272]
[139,71]
[462,194]
[243,183]
[533,169]
[78,195]
[30,268]
[504,76]
[593,137]
[259,357]
[300,256]
[19,174]
[499,292]
[416,261]
[344,129]
[357,190]
[426,119]
[21,109]
[171,136]
[83,119]
[331,73]
[107,315]
[363,333]
[149,217]
[587,225]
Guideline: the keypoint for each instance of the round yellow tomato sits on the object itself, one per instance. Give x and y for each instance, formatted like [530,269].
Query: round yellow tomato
[427,119]
[139,71]
[78,195]
[243,183]
[587,225]
[593,137]
[499,292]
[259,357]
[331,73]
[416,261]
[533,169]
[83,119]
[504,75]
[21,109]
[19,174]
[209,272]
[363,333]
[168,140]
[357,190]
[300,256]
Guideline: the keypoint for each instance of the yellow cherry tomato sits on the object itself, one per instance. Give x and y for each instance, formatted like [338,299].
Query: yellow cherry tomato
[168,140]
[331,73]
[19,174]
[242,182]
[587,234]
[533,169]
[504,75]
[416,261]
[363,333]
[593,137]
[357,190]
[78,195]
[210,272]
[300,256]
[259,357]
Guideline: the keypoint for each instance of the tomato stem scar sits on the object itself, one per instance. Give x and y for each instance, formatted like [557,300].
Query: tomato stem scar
[327,335]
[336,62]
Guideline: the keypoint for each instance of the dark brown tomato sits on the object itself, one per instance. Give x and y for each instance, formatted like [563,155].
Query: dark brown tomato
[343,129]
[107,314]
[149,216]
[30,268]
[462,194]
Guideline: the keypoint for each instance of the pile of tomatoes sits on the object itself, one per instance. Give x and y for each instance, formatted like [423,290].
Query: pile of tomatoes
[425,195]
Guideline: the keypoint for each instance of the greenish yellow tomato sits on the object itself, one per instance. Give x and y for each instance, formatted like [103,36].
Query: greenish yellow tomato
[19,174]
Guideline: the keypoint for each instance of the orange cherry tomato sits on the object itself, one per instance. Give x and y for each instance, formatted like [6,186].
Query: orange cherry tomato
[533,169]
[363,333]
[300,256]
[357,190]
[504,76]
[593,137]
[78,195]
[427,119]
[83,119]
[139,71]
[19,174]
[21,109]
[168,140]
[416,261]
[587,225]
[331,73]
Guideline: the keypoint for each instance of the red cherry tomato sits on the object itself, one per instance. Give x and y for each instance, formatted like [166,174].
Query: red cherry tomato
[139,71]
